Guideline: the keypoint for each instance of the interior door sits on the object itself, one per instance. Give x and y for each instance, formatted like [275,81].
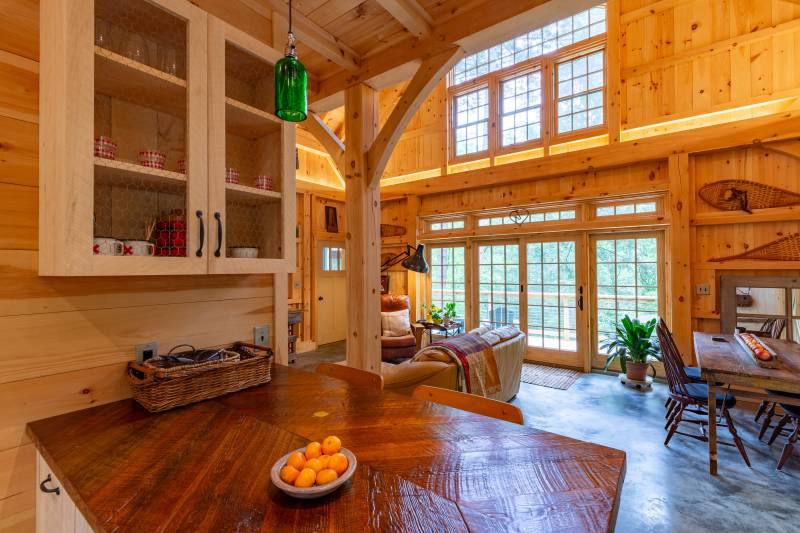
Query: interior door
[555,301]
[331,293]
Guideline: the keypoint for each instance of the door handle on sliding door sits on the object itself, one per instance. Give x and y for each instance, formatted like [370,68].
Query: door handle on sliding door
[580,298]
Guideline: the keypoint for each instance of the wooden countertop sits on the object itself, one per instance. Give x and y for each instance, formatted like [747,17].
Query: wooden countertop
[421,466]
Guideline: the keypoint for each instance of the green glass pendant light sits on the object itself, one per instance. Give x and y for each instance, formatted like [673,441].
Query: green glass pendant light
[291,82]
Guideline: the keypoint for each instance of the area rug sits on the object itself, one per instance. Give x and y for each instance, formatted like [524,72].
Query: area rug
[548,376]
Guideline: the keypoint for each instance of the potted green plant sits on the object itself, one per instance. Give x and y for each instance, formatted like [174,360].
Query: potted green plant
[634,346]
[434,312]
[449,312]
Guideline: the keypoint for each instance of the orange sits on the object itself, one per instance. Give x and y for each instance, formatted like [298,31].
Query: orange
[331,445]
[338,463]
[313,450]
[326,476]
[306,478]
[314,465]
[324,460]
[297,460]
[289,474]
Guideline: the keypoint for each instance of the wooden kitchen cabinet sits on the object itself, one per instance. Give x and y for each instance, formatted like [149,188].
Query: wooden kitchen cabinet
[146,75]
[55,511]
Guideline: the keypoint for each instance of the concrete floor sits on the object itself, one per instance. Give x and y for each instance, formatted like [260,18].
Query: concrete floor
[665,489]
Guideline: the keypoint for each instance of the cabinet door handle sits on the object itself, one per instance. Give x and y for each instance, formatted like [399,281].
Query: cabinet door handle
[202,233]
[42,487]
[219,234]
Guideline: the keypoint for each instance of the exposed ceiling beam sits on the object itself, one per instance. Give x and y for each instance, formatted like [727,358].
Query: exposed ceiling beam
[333,145]
[316,37]
[471,27]
[789,147]
[411,15]
[780,126]
[423,82]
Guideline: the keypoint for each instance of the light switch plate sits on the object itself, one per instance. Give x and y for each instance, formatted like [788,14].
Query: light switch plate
[703,289]
[261,335]
[146,351]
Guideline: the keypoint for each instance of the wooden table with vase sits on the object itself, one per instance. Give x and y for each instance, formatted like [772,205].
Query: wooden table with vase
[421,466]
[725,363]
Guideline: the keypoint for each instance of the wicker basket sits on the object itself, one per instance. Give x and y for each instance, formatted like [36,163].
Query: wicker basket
[158,388]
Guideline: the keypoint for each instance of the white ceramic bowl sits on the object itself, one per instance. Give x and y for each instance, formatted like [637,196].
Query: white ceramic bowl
[244,252]
[317,491]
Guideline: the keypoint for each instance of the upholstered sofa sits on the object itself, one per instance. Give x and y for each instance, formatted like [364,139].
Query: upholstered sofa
[508,352]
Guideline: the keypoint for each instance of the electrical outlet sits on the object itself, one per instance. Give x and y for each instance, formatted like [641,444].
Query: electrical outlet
[261,335]
[146,351]
[703,289]
[298,285]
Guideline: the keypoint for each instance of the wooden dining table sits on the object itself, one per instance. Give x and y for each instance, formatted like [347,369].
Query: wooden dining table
[724,365]
[421,466]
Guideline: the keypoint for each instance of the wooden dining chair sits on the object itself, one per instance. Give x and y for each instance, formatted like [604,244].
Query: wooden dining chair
[771,329]
[469,402]
[692,397]
[792,414]
[354,376]
[692,372]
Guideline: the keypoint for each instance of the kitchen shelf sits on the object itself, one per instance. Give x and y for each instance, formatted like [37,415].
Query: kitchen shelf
[123,170]
[125,79]
[248,121]
[245,193]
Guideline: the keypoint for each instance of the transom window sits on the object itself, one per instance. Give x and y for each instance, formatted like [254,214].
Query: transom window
[539,216]
[580,92]
[533,44]
[521,108]
[628,208]
[332,259]
[472,122]
[446,225]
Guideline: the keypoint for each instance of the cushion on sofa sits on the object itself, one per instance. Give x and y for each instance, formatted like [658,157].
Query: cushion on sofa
[492,338]
[506,332]
[480,330]
[395,323]
[398,342]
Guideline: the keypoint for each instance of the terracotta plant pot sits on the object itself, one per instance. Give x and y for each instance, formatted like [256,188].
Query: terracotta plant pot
[636,371]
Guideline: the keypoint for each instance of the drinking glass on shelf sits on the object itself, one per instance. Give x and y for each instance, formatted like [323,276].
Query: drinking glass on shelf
[102,33]
[136,49]
[167,59]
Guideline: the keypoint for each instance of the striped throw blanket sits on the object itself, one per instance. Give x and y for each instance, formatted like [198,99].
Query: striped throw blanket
[474,358]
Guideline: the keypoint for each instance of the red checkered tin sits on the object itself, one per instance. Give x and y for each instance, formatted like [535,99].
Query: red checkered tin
[105,147]
[263,182]
[152,158]
[231,176]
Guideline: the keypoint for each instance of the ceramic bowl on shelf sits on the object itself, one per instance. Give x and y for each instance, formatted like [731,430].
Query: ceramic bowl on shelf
[263,182]
[232,176]
[107,246]
[244,252]
[152,159]
[317,491]
[105,147]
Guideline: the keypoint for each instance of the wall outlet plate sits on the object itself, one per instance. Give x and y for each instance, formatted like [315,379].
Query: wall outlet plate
[261,335]
[298,285]
[703,289]
[146,351]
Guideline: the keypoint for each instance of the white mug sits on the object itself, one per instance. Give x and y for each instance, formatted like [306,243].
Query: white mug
[106,246]
[244,252]
[138,248]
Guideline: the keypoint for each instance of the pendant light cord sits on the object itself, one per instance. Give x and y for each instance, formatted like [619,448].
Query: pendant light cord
[290,16]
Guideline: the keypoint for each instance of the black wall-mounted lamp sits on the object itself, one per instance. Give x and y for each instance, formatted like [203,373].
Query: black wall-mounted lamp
[412,259]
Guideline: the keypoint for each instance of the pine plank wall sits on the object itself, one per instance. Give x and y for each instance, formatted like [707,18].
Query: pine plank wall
[66,341]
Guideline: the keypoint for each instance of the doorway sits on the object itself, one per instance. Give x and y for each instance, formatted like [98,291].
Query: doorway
[331,302]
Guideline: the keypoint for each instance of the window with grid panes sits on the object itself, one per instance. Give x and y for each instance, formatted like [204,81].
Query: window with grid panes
[499,285]
[521,109]
[448,277]
[448,224]
[472,122]
[533,44]
[579,92]
[332,259]
[626,209]
[627,281]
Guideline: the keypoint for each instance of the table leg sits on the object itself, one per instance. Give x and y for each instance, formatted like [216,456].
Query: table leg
[712,429]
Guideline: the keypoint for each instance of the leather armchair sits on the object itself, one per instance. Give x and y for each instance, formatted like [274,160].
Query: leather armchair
[394,348]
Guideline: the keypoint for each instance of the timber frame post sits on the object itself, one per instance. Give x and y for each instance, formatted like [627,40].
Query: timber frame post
[363,240]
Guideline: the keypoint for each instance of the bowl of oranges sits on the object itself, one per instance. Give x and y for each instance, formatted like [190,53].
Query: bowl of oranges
[316,470]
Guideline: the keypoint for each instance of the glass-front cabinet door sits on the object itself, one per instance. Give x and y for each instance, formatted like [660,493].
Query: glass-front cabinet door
[251,158]
[123,129]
